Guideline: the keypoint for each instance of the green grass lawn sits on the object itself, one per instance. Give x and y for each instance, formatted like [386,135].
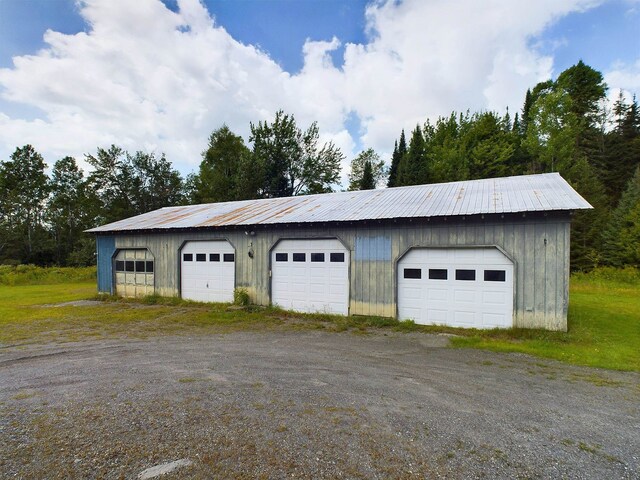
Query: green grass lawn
[604,321]
[604,329]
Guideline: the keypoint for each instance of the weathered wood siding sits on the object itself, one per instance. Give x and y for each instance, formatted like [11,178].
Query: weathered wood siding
[537,244]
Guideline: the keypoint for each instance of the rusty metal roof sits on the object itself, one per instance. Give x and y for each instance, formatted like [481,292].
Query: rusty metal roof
[525,193]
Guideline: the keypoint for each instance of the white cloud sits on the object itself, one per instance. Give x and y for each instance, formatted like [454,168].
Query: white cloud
[144,77]
[625,77]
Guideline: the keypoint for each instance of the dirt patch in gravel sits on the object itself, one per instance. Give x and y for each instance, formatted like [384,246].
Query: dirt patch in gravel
[310,405]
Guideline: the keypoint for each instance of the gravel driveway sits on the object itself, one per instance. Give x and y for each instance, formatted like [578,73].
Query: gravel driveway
[312,405]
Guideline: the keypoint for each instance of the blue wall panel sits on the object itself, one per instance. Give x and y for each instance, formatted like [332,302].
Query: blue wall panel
[105,246]
[373,248]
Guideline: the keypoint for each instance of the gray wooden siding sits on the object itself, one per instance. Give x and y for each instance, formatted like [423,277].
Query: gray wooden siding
[539,247]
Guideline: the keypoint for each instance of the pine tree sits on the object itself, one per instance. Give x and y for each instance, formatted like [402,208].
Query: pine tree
[358,164]
[367,182]
[622,148]
[413,168]
[393,170]
[68,214]
[24,187]
[622,236]
[398,154]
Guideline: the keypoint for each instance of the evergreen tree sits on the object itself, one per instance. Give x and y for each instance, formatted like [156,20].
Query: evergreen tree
[24,187]
[367,181]
[526,109]
[399,151]
[622,236]
[587,226]
[393,170]
[125,185]
[446,159]
[358,164]
[622,148]
[488,146]
[68,214]
[412,169]
[586,88]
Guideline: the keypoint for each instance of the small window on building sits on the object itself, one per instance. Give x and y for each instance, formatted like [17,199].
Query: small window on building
[412,273]
[317,257]
[188,257]
[229,257]
[465,274]
[140,266]
[149,267]
[214,257]
[495,276]
[282,257]
[299,257]
[129,266]
[337,257]
[201,257]
[437,274]
[119,265]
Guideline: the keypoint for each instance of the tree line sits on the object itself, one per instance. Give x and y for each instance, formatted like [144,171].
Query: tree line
[564,126]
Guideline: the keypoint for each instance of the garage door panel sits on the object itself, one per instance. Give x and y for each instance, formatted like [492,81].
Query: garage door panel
[465,296]
[491,320]
[206,277]
[437,294]
[314,286]
[437,316]
[494,298]
[464,318]
[445,300]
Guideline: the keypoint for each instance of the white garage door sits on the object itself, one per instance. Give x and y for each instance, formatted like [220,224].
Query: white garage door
[208,271]
[459,287]
[310,276]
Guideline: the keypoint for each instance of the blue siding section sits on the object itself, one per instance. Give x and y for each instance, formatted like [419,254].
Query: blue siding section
[373,248]
[105,246]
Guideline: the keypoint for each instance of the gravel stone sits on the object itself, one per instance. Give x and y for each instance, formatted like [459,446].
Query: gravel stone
[310,404]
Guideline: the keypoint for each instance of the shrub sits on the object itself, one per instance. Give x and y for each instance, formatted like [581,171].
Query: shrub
[241,297]
[627,275]
[33,275]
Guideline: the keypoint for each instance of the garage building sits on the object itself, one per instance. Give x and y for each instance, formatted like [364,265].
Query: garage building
[480,253]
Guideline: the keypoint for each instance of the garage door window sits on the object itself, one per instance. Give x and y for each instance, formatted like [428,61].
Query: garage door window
[134,272]
[282,257]
[437,274]
[336,257]
[201,257]
[412,273]
[317,257]
[229,257]
[495,276]
[214,257]
[465,274]
[188,257]
[299,257]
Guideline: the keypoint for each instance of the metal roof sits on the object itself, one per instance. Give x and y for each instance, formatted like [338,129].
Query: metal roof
[525,193]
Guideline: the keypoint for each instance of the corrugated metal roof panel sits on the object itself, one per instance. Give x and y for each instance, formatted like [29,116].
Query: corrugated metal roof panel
[526,193]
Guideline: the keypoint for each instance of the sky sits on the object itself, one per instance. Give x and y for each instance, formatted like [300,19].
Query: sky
[161,75]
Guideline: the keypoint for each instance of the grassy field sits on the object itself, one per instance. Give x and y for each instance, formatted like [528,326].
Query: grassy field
[604,319]
[604,329]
